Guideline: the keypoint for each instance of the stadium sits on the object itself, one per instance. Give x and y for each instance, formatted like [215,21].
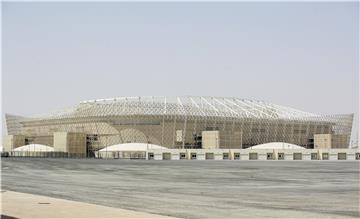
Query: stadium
[177,123]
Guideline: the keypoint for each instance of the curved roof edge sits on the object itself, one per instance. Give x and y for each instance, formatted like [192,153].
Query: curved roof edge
[277,145]
[34,148]
[131,147]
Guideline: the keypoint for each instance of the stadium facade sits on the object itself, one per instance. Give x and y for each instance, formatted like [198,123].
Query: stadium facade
[177,122]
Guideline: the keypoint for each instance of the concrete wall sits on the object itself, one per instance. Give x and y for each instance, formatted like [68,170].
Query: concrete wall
[60,141]
[201,154]
[210,139]
[70,142]
[258,154]
[339,141]
[322,141]
[330,141]
[13,141]
[77,143]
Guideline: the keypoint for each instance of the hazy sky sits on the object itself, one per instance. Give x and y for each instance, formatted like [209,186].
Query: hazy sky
[302,55]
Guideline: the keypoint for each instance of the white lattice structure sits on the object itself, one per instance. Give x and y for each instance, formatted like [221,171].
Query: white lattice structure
[177,122]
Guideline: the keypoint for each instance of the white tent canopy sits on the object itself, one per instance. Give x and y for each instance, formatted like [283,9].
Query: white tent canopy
[131,147]
[35,148]
[277,145]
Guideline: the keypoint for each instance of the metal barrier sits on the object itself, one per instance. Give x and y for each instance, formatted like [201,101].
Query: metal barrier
[32,154]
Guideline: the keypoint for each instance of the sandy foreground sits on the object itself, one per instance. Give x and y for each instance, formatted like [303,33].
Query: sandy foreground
[23,205]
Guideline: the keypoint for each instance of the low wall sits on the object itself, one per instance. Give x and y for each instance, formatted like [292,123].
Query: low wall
[210,154]
[255,154]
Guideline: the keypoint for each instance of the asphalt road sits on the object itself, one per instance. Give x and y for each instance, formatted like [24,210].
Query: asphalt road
[196,189]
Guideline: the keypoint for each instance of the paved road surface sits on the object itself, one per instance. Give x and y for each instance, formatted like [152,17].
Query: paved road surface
[196,189]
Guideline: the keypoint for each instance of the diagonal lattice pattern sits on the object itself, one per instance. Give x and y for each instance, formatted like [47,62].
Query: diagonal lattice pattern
[177,122]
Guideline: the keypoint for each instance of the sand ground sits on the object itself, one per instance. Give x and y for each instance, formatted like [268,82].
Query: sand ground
[26,206]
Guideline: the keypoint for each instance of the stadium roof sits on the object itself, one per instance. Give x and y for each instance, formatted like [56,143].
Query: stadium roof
[183,106]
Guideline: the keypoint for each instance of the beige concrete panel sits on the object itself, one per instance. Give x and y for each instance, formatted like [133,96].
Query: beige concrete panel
[322,141]
[70,142]
[60,141]
[11,142]
[210,139]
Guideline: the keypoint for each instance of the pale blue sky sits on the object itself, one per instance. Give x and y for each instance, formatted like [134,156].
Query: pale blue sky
[302,55]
